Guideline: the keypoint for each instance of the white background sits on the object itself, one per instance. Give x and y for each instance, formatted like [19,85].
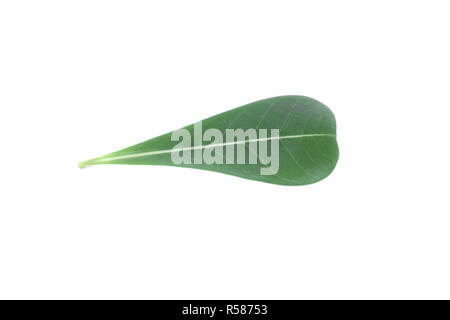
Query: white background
[79,79]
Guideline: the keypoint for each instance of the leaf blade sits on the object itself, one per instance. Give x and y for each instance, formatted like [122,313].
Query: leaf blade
[307,141]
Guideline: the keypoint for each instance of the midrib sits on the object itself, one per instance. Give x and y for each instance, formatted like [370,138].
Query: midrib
[151,153]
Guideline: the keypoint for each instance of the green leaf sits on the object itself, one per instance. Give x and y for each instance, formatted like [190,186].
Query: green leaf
[306,141]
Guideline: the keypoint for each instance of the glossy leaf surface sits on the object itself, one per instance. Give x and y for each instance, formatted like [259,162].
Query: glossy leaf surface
[307,147]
